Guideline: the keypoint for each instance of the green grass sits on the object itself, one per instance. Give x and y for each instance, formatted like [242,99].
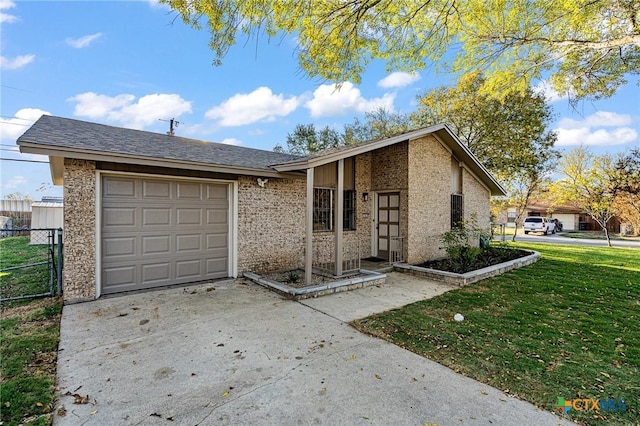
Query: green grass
[29,335]
[566,326]
[16,251]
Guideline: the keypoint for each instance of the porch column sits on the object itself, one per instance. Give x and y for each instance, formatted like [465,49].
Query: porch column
[339,208]
[308,252]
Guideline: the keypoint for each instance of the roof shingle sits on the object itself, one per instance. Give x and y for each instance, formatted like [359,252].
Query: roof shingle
[76,134]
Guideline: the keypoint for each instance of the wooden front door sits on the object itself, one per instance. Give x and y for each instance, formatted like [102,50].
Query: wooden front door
[388,222]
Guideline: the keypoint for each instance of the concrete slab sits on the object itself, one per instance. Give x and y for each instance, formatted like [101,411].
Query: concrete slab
[399,290]
[234,353]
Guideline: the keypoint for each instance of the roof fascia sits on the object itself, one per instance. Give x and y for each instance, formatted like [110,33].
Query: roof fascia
[356,150]
[79,154]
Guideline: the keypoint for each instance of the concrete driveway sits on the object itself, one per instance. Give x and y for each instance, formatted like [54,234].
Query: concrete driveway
[234,353]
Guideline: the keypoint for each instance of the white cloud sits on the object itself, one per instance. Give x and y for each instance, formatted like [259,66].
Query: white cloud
[6,17]
[598,119]
[15,63]
[15,182]
[599,137]
[329,101]
[592,130]
[247,108]
[231,141]
[550,93]
[83,41]
[16,126]
[398,79]
[122,109]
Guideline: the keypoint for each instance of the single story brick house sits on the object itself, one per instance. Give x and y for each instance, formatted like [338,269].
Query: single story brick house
[144,210]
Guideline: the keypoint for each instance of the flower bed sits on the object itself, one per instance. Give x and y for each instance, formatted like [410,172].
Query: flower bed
[525,258]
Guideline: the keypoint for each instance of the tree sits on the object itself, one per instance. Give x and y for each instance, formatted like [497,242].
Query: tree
[508,136]
[521,187]
[18,196]
[588,183]
[588,47]
[377,124]
[306,139]
[627,186]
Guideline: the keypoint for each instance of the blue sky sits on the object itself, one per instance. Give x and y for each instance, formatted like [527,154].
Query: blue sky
[130,64]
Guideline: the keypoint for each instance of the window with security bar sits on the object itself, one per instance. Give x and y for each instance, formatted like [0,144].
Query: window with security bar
[457,210]
[324,209]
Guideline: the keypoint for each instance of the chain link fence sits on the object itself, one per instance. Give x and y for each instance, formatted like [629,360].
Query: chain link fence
[30,263]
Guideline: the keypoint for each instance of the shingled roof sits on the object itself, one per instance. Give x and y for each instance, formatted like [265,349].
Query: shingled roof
[69,135]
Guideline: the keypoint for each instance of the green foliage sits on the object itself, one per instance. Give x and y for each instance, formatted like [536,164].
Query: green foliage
[507,135]
[306,139]
[15,251]
[377,124]
[462,242]
[588,183]
[28,344]
[565,326]
[588,47]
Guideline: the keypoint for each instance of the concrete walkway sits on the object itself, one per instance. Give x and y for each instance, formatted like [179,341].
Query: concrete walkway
[234,353]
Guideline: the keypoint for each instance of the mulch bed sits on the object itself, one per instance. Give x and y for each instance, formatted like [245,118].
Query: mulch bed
[488,257]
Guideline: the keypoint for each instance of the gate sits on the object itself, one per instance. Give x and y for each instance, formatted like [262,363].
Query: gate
[30,263]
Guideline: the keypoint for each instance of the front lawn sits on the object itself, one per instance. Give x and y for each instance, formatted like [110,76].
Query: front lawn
[29,335]
[564,327]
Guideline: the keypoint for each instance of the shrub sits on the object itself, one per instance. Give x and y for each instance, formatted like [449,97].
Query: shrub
[464,242]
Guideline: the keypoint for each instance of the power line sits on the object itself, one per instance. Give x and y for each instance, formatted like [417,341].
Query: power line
[9,117]
[15,124]
[25,161]
[14,88]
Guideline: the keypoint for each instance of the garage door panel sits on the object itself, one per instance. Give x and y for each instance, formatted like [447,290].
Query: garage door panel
[119,246]
[156,273]
[156,189]
[189,191]
[186,269]
[156,244]
[216,241]
[156,216]
[119,187]
[121,275]
[188,243]
[217,192]
[217,216]
[158,232]
[188,216]
[119,216]
[216,267]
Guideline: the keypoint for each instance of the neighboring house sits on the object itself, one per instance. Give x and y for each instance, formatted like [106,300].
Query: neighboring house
[18,210]
[572,218]
[46,213]
[144,210]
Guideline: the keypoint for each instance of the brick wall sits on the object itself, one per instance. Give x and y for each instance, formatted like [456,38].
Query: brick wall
[476,200]
[271,224]
[389,172]
[429,198]
[79,230]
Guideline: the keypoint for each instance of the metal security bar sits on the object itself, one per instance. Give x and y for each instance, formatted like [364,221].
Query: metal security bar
[457,210]
[30,263]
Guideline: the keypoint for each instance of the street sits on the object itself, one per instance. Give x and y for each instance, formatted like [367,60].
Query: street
[559,239]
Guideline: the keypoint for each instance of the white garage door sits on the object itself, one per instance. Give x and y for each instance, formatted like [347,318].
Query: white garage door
[568,221]
[158,232]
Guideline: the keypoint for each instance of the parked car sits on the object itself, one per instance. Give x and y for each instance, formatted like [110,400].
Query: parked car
[538,224]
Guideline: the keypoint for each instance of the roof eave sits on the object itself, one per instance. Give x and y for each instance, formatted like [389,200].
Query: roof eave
[57,155]
[442,130]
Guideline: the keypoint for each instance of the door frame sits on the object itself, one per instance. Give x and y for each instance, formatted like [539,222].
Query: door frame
[232,218]
[374,222]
